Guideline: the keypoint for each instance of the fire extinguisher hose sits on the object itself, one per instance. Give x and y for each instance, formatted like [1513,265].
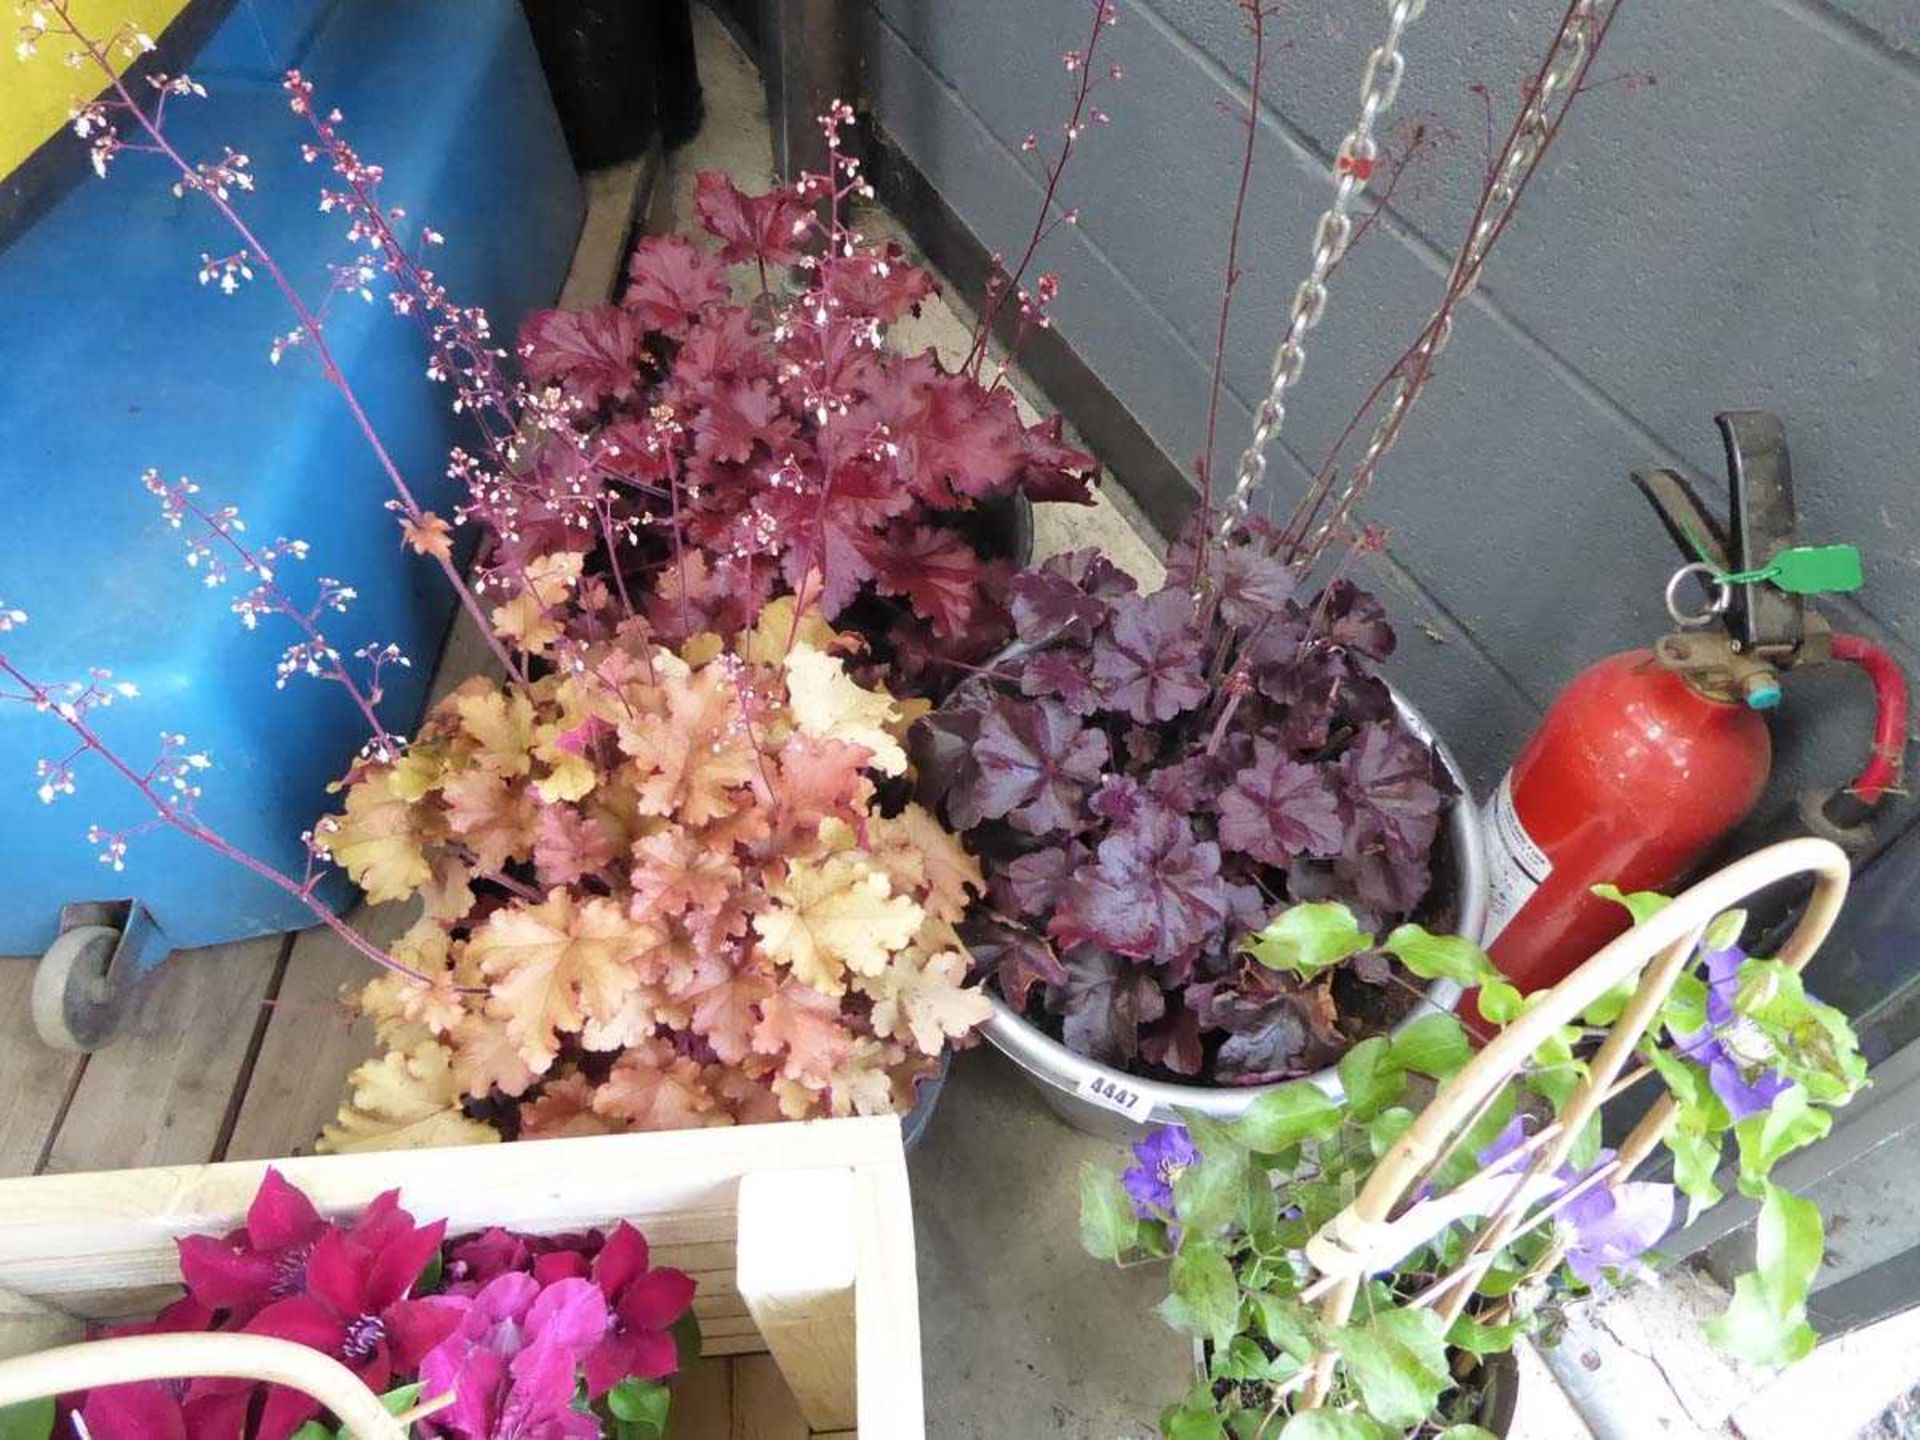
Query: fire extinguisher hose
[1890,717]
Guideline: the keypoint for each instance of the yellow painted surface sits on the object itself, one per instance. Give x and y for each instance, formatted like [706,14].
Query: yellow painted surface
[37,94]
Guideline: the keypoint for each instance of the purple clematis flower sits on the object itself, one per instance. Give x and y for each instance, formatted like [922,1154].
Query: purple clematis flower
[1159,1160]
[1745,1084]
[1608,1227]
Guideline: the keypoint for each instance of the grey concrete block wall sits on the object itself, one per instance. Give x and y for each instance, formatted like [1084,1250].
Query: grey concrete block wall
[1744,231]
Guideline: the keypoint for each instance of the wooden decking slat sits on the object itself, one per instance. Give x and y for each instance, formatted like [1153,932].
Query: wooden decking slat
[763,1407]
[161,1094]
[702,1400]
[312,1041]
[34,1081]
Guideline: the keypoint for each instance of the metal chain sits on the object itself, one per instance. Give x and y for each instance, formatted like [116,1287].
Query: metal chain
[1352,168]
[1530,136]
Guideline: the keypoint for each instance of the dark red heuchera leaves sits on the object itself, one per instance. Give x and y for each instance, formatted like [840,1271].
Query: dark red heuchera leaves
[732,441]
[1148,778]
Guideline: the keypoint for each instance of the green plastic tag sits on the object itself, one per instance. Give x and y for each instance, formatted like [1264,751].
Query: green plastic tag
[1816,570]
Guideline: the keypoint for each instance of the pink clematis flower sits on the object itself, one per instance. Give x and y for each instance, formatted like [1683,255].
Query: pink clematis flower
[511,1361]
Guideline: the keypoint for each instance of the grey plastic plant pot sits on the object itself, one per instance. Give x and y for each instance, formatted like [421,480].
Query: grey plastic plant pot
[1064,1078]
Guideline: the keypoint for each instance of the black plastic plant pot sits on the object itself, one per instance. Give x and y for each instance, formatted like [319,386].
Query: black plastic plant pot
[1000,528]
[1496,1378]
[1499,1381]
[600,67]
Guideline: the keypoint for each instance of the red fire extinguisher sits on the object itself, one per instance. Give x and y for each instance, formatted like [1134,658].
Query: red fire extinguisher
[1649,758]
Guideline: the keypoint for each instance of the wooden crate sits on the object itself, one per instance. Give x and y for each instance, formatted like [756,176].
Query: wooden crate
[800,1235]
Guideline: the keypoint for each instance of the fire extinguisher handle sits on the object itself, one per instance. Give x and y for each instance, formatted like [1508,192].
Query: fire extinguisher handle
[1694,529]
[1762,521]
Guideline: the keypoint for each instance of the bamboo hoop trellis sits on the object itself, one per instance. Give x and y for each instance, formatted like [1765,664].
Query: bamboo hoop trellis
[1658,950]
[130,1358]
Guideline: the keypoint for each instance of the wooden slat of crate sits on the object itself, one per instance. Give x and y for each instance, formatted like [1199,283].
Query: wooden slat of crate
[82,1244]
[162,1095]
[66,1233]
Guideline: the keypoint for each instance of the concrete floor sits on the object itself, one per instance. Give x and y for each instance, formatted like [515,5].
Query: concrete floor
[1023,1335]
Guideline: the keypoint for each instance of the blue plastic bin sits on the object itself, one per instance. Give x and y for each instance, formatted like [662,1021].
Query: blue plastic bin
[113,358]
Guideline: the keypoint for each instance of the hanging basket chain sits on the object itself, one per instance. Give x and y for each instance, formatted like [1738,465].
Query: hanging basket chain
[1353,166]
[1558,82]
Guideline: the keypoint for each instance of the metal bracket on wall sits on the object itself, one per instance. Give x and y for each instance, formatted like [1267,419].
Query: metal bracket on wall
[810,56]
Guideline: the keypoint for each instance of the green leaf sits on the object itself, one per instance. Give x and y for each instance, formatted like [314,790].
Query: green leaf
[1465,1432]
[1195,1418]
[1809,1042]
[641,1407]
[1556,1051]
[1724,932]
[1499,1002]
[1387,1127]
[1335,1425]
[431,1277]
[1766,1322]
[1696,1161]
[1470,1335]
[29,1420]
[1465,1160]
[686,1337]
[1609,1007]
[1687,1082]
[1555,1086]
[1309,938]
[1584,1153]
[402,1398]
[1211,1194]
[1684,1011]
[1108,1227]
[1398,1362]
[1287,1324]
[1285,1116]
[1369,1081]
[312,1430]
[1642,905]
[1206,1297]
[1789,1124]
[1245,1360]
[1440,957]
[1433,1045]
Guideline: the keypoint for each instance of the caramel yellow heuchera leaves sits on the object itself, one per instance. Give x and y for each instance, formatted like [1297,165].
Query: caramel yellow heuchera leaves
[658,890]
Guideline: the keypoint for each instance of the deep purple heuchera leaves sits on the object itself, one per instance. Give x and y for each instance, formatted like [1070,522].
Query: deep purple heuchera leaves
[1148,778]
[517,1329]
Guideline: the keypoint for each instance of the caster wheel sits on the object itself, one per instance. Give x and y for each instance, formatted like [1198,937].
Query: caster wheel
[76,1004]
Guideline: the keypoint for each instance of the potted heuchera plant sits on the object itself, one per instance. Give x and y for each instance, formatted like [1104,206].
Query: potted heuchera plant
[1155,783]
[721,438]
[661,890]
[668,876]
[1489,1242]
[494,1336]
